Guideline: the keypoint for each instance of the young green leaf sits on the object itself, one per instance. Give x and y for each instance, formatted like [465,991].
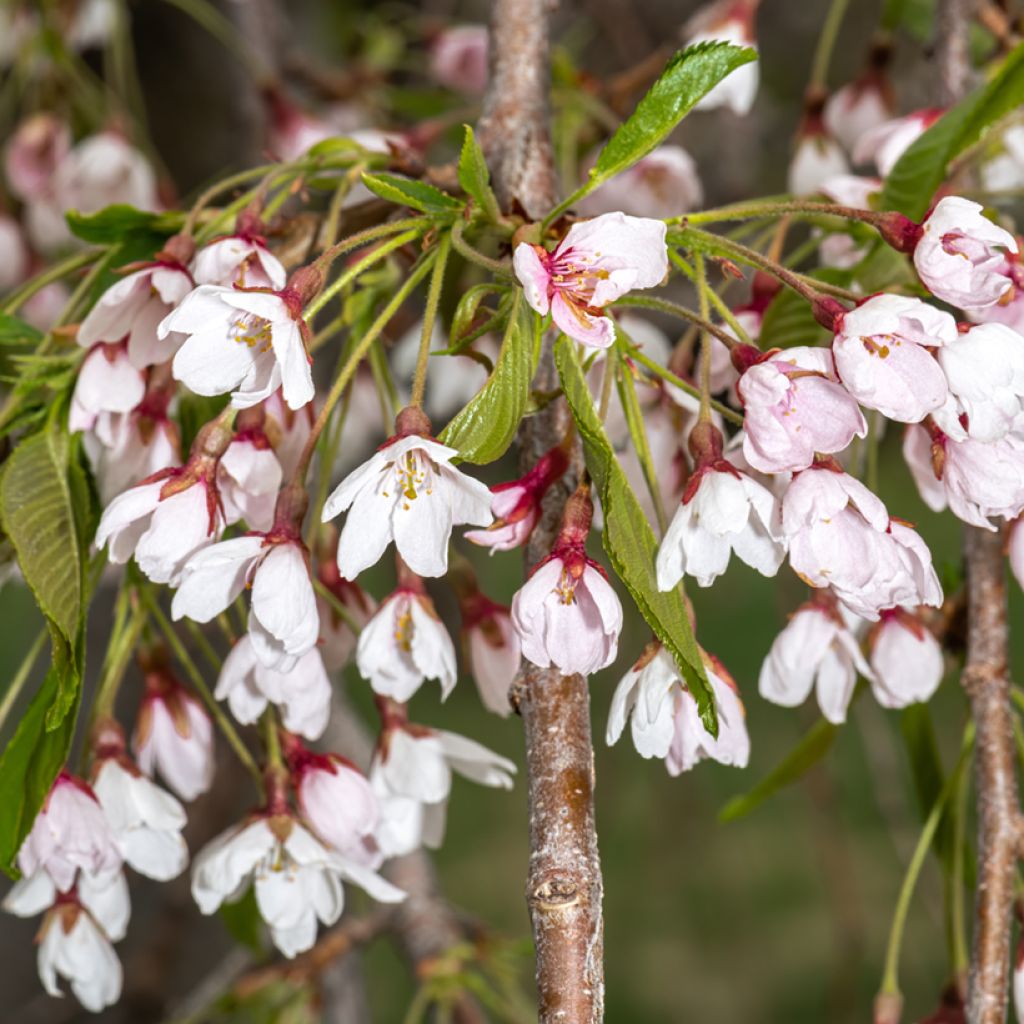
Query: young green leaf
[628,538]
[912,183]
[33,757]
[688,77]
[475,178]
[484,429]
[114,223]
[16,332]
[416,194]
[36,512]
[809,751]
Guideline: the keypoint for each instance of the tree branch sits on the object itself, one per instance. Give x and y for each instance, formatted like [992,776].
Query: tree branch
[564,886]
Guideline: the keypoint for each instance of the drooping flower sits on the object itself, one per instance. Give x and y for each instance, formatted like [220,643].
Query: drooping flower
[107,383]
[817,158]
[516,504]
[860,106]
[33,152]
[249,474]
[728,21]
[567,614]
[491,647]
[241,259]
[405,643]
[70,833]
[960,254]
[906,660]
[244,341]
[302,693]
[881,355]
[984,366]
[722,511]
[664,719]
[795,407]
[665,183]
[884,143]
[173,734]
[14,256]
[135,307]
[458,58]
[598,261]
[815,650]
[408,492]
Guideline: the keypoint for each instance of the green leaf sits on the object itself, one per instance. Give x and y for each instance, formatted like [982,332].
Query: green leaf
[243,921]
[409,192]
[475,178]
[808,752]
[924,166]
[115,223]
[484,429]
[628,538]
[689,76]
[465,320]
[36,511]
[31,760]
[788,322]
[16,332]
[929,777]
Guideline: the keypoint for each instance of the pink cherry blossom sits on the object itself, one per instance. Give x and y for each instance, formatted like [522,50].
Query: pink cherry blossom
[961,253]
[491,647]
[242,341]
[665,183]
[516,504]
[173,735]
[816,650]
[137,304]
[70,833]
[567,614]
[906,660]
[14,255]
[458,58]
[409,492]
[37,147]
[858,107]
[984,366]
[283,621]
[241,259]
[107,383]
[301,691]
[598,261]
[817,159]
[794,407]
[881,355]
[885,143]
[731,22]
[664,719]
[1009,309]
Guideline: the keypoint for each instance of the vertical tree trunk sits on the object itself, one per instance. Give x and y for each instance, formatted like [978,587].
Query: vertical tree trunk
[564,887]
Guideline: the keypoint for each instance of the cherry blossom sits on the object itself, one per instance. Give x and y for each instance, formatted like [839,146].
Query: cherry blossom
[1001,171]
[984,366]
[138,303]
[664,719]
[492,650]
[249,477]
[1009,309]
[173,734]
[516,504]
[881,355]
[665,183]
[301,692]
[244,341]
[69,833]
[296,879]
[818,158]
[906,660]
[722,511]
[241,259]
[598,261]
[405,643]
[567,614]
[33,153]
[458,58]
[408,492]
[283,623]
[793,408]
[14,256]
[731,22]
[858,107]
[107,383]
[818,651]
[960,254]
[884,143]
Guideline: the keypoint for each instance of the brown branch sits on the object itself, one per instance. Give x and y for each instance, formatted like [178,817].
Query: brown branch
[564,886]
[952,48]
[987,682]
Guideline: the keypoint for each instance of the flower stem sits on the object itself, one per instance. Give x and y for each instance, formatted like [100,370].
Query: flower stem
[272,738]
[701,280]
[716,300]
[684,385]
[16,685]
[419,382]
[336,606]
[674,309]
[780,208]
[340,382]
[199,684]
[890,980]
[826,44]
[54,273]
[467,252]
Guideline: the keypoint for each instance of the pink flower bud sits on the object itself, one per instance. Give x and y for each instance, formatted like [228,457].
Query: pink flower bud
[32,155]
[859,107]
[458,58]
[665,183]
[491,645]
[730,21]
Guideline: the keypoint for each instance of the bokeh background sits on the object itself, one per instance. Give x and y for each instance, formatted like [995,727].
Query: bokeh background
[779,917]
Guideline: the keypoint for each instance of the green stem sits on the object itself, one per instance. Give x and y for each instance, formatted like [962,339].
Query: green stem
[682,312]
[466,251]
[890,980]
[340,382]
[783,207]
[701,282]
[54,273]
[716,300]
[21,677]
[272,738]
[199,684]
[328,595]
[826,43]
[410,229]
[684,385]
[329,232]
[205,647]
[419,382]
[961,957]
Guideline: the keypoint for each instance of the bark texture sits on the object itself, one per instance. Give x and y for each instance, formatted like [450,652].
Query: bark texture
[564,886]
